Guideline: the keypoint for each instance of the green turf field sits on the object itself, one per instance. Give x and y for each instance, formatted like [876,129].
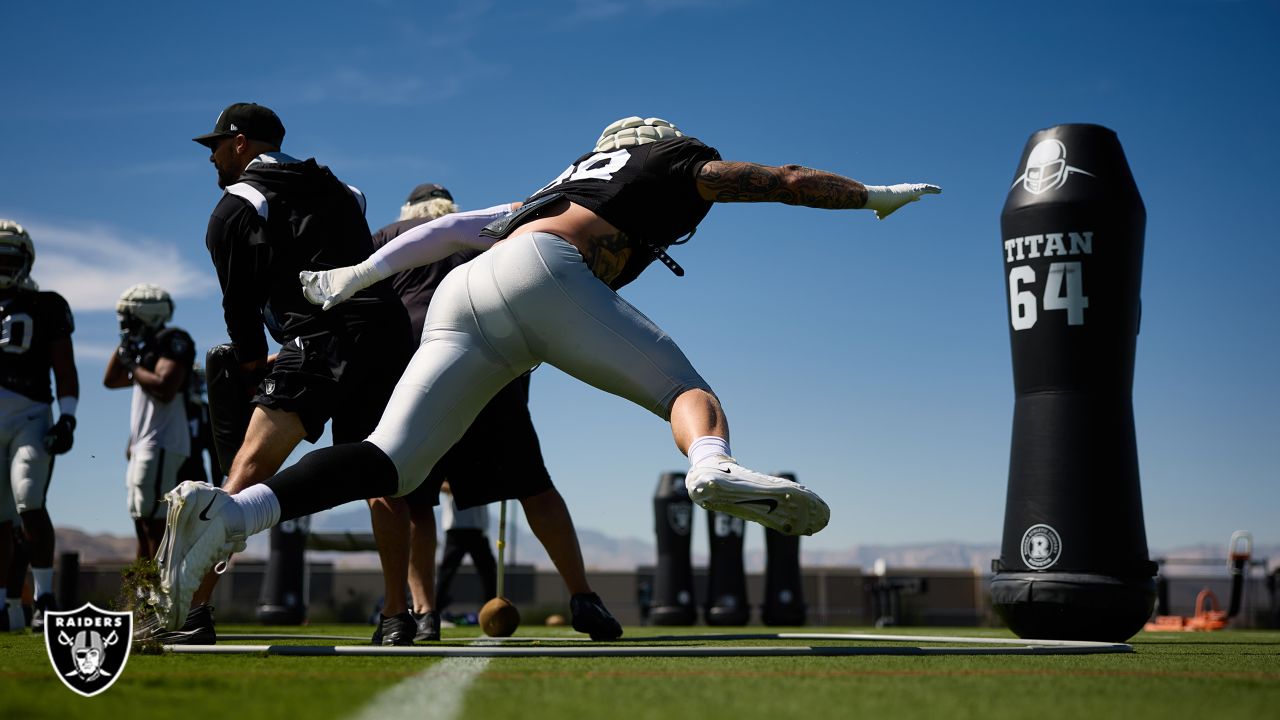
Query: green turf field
[1232,674]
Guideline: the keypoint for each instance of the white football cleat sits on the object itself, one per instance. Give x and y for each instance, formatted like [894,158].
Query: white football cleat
[722,485]
[196,538]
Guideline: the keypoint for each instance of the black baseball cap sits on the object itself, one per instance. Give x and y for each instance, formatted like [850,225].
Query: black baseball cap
[254,121]
[426,191]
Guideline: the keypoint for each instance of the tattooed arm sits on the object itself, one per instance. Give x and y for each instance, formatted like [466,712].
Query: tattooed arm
[721,181]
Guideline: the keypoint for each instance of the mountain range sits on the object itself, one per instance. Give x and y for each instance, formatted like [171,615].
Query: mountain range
[604,552]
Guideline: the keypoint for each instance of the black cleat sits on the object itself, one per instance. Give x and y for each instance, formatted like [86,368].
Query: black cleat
[591,617]
[395,630]
[428,626]
[44,603]
[197,630]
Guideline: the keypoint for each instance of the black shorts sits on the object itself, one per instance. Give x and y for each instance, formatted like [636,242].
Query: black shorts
[498,458]
[346,376]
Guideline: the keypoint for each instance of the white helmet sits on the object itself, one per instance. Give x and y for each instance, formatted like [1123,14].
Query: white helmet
[635,130]
[17,255]
[149,304]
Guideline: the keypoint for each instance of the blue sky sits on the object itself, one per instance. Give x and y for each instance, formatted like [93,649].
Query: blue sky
[870,358]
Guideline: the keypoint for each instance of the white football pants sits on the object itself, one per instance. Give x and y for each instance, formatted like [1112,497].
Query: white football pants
[531,299]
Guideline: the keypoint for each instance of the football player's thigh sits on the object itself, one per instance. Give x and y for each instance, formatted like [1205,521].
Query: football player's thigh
[30,473]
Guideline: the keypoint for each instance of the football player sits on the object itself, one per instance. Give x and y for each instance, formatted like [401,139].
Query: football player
[156,361]
[544,292]
[498,457]
[35,338]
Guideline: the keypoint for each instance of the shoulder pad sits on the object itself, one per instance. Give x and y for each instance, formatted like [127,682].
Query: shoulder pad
[176,341]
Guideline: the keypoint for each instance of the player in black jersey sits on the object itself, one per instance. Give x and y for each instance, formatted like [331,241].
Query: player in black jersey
[545,292]
[35,338]
[498,458]
[156,360]
[279,216]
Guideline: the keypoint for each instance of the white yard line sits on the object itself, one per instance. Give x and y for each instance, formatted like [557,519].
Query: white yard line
[437,693]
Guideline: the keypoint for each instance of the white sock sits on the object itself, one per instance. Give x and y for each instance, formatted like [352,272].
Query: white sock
[43,578]
[258,507]
[706,446]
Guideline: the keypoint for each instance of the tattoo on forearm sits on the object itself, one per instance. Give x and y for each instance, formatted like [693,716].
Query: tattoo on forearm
[608,255]
[721,181]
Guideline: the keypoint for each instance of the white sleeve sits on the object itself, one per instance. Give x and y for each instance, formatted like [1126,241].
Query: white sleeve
[438,239]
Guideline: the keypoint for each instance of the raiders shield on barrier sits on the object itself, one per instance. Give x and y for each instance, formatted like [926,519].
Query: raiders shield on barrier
[88,647]
[673,601]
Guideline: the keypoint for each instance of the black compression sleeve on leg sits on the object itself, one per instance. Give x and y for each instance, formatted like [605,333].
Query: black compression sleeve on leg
[327,478]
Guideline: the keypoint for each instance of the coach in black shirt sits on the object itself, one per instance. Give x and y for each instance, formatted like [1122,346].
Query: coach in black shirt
[279,216]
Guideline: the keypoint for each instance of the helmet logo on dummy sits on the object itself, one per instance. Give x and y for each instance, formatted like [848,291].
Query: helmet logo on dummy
[1041,547]
[1047,168]
[88,647]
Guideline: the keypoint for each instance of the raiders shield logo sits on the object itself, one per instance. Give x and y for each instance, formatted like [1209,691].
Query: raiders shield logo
[88,647]
[680,517]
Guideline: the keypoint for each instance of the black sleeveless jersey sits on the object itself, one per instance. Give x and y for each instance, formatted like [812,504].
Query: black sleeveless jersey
[648,192]
[30,322]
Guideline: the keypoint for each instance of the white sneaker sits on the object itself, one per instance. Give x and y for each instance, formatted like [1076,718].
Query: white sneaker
[721,484]
[196,538]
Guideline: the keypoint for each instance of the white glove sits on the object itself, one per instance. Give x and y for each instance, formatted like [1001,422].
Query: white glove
[330,287]
[884,199]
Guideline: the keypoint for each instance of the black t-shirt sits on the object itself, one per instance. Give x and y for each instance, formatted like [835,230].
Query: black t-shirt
[416,286]
[648,192]
[31,322]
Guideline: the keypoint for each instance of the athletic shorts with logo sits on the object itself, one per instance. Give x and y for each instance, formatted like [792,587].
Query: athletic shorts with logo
[346,377]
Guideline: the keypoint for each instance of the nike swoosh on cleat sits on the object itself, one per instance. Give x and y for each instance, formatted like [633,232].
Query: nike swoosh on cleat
[205,517]
[771,504]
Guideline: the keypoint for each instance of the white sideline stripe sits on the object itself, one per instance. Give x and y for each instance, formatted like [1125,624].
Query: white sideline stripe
[436,693]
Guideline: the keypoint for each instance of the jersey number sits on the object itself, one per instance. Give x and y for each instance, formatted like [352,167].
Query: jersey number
[1022,303]
[726,525]
[15,333]
[600,166]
